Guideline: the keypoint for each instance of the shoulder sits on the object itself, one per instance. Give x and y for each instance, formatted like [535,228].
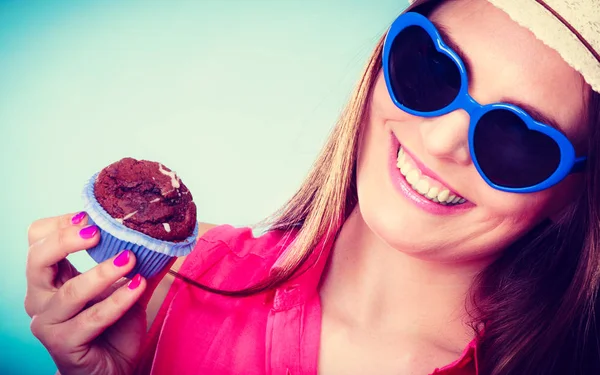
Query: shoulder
[225,257]
[203,228]
[229,257]
[216,242]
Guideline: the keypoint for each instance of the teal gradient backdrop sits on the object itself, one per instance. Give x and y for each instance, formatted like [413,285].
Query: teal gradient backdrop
[237,96]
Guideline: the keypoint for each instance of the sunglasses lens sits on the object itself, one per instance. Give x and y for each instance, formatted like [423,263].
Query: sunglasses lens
[422,79]
[510,154]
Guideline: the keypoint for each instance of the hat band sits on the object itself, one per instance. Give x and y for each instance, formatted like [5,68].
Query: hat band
[571,28]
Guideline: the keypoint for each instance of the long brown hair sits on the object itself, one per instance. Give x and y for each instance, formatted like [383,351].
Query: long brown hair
[538,300]
[328,194]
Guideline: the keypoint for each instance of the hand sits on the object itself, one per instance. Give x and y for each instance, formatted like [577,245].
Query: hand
[90,323]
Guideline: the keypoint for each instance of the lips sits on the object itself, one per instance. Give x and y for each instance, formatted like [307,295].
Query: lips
[424,202]
[424,181]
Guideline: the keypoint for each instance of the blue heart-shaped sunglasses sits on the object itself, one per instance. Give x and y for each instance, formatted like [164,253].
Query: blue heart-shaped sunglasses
[511,151]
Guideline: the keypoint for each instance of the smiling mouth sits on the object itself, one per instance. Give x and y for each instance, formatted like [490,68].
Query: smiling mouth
[425,185]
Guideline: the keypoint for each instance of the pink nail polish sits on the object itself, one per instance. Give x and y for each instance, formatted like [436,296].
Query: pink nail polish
[122,259]
[88,232]
[135,282]
[76,219]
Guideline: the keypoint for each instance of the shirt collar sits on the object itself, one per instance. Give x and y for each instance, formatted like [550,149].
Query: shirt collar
[304,286]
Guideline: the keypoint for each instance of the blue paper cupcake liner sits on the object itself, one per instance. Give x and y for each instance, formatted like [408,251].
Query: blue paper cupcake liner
[148,262]
[152,255]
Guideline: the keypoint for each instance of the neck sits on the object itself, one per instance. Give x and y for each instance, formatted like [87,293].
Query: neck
[369,285]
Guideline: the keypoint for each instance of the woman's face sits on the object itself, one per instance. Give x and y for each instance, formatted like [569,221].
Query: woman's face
[508,64]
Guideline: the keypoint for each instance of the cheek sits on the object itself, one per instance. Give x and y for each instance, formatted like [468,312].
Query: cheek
[517,211]
[382,106]
[374,144]
[509,216]
[533,207]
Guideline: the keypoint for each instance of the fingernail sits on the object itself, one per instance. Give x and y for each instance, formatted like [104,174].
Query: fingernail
[135,282]
[122,259]
[88,232]
[76,219]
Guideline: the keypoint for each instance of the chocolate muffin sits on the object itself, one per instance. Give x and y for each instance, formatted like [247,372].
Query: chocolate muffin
[147,197]
[143,207]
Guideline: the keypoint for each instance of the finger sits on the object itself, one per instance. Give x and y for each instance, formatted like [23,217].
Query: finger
[44,254]
[37,298]
[72,297]
[64,271]
[107,292]
[90,323]
[43,227]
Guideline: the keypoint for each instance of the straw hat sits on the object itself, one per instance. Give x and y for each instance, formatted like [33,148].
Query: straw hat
[571,27]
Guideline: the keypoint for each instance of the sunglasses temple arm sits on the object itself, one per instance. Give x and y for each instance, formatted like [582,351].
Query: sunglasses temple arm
[579,165]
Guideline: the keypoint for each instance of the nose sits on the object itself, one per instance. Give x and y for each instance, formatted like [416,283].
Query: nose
[447,136]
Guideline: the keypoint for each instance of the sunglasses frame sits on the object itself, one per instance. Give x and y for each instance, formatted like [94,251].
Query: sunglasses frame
[569,163]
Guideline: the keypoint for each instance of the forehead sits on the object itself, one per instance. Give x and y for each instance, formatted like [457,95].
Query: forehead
[510,63]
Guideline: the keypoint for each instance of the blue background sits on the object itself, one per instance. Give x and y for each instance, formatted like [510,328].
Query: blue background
[237,96]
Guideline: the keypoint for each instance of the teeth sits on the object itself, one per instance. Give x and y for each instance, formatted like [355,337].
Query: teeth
[422,185]
[443,195]
[404,169]
[401,158]
[433,192]
[413,177]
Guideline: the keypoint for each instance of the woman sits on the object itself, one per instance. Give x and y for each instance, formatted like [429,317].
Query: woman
[451,225]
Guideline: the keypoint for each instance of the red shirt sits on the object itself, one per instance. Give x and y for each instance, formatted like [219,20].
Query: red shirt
[274,333]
